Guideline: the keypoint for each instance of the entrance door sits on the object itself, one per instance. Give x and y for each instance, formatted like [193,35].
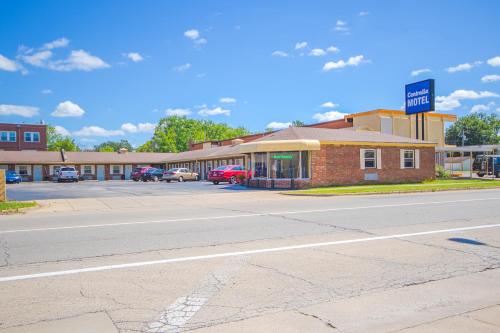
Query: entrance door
[37,173]
[128,171]
[100,172]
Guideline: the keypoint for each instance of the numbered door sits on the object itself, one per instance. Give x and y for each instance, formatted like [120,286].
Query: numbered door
[37,173]
[128,171]
[100,172]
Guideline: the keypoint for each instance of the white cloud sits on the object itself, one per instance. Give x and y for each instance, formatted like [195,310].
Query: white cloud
[135,57]
[317,52]
[275,125]
[300,45]
[62,131]
[495,61]
[8,65]
[46,91]
[18,110]
[279,54]
[214,111]
[490,78]
[182,68]
[417,72]
[97,131]
[228,100]
[78,60]
[329,105]
[192,34]
[139,128]
[39,59]
[68,109]
[178,112]
[364,13]
[481,107]
[341,26]
[463,67]
[61,42]
[352,61]
[452,101]
[200,41]
[332,49]
[329,116]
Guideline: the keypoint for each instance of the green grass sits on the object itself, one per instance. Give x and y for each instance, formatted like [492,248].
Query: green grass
[427,186]
[14,206]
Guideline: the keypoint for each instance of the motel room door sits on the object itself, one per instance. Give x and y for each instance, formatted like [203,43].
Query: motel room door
[37,173]
[128,171]
[100,172]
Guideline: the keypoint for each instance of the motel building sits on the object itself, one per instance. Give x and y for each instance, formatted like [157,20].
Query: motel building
[370,147]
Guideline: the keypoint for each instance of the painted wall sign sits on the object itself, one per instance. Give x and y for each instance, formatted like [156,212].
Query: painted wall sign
[419,97]
[282,157]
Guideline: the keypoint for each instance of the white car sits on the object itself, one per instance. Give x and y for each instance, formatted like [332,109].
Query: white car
[67,174]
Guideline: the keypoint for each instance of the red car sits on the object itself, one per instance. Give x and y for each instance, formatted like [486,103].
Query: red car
[226,173]
[137,173]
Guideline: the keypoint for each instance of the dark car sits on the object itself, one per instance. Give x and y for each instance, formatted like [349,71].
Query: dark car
[138,172]
[152,174]
[488,165]
[11,177]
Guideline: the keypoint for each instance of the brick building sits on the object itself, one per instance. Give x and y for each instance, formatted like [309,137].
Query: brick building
[23,137]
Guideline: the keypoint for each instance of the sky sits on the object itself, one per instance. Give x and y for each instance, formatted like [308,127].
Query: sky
[109,70]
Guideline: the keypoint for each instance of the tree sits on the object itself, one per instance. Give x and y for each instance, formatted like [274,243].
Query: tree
[474,129]
[298,123]
[173,134]
[112,146]
[57,141]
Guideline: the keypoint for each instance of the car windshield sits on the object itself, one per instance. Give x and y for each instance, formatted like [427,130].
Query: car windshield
[173,170]
[222,168]
[67,169]
[11,173]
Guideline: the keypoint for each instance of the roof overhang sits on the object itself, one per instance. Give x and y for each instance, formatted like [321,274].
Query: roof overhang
[279,145]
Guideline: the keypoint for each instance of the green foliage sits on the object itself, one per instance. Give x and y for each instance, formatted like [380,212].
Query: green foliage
[478,128]
[173,134]
[441,172]
[298,123]
[113,146]
[56,141]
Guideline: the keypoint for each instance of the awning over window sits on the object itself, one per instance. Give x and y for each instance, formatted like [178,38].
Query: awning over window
[279,145]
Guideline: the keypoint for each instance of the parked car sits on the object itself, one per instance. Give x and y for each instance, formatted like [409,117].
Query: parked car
[487,165]
[137,173]
[67,174]
[152,174]
[11,177]
[226,173]
[180,175]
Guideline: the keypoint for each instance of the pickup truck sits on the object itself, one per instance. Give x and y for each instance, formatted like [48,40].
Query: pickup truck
[487,165]
[67,174]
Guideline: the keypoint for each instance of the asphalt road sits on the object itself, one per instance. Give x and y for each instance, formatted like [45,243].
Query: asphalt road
[93,189]
[245,261]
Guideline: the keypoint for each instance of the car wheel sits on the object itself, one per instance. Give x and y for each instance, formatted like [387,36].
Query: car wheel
[232,180]
[498,174]
[480,174]
[216,183]
[155,179]
[181,179]
[197,178]
[168,180]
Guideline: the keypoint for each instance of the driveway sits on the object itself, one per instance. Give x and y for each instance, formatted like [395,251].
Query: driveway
[95,189]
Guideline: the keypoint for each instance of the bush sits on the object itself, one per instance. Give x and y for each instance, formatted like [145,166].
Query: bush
[441,172]
[241,178]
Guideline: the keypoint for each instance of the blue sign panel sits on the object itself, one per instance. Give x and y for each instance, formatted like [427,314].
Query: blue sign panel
[419,97]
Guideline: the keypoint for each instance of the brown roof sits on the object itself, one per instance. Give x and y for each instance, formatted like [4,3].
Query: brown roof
[54,157]
[338,135]
[206,154]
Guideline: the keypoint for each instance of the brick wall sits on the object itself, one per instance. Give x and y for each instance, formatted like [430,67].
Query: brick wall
[341,165]
[20,144]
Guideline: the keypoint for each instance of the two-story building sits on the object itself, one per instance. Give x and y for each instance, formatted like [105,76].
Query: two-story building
[17,137]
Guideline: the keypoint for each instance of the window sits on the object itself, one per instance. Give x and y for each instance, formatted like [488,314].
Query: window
[23,170]
[116,169]
[304,164]
[238,168]
[87,169]
[370,158]
[285,164]
[31,137]
[409,159]
[7,136]
[260,165]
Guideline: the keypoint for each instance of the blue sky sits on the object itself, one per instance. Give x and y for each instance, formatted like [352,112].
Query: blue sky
[107,70]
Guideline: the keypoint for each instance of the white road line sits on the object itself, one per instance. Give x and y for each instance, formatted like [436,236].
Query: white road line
[221,217]
[238,253]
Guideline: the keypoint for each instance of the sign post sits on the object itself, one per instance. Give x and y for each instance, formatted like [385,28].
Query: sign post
[419,98]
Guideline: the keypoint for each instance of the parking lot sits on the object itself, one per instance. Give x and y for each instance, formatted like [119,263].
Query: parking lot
[95,189]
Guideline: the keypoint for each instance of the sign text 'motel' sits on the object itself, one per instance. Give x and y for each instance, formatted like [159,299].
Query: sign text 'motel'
[419,97]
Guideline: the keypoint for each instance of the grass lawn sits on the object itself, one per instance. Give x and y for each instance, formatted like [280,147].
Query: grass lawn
[428,186]
[14,206]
